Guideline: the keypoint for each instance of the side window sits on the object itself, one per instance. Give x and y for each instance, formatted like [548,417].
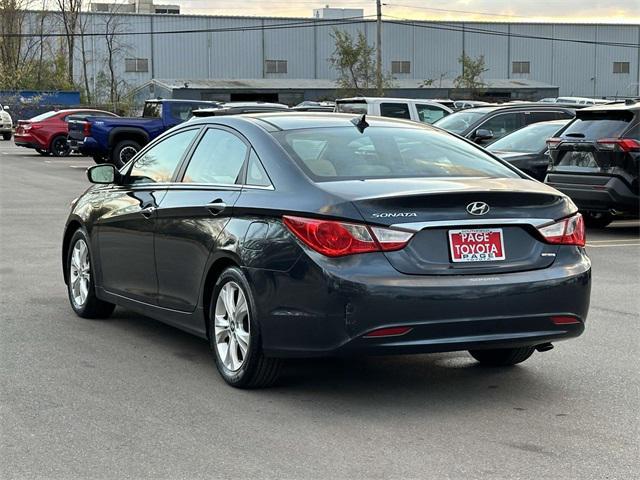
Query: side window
[502,124]
[429,113]
[256,174]
[218,158]
[159,163]
[535,117]
[181,111]
[395,110]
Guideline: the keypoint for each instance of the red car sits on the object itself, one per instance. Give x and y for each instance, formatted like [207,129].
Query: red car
[47,133]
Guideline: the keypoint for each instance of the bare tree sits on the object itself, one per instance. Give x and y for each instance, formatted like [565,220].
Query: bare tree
[85,63]
[70,14]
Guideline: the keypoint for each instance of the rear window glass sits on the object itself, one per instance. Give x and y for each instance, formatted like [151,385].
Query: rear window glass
[600,125]
[531,139]
[395,110]
[351,107]
[43,116]
[343,153]
[152,110]
[458,122]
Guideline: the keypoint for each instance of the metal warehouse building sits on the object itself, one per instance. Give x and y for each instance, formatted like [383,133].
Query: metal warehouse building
[580,59]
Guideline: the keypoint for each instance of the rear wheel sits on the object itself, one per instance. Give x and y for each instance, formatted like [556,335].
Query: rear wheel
[59,146]
[502,357]
[80,280]
[597,219]
[234,334]
[124,151]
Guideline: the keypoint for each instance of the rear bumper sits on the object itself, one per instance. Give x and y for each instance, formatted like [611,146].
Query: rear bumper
[27,140]
[88,146]
[597,193]
[317,309]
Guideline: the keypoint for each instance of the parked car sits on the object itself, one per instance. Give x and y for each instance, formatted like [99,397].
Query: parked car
[581,101]
[117,140]
[310,106]
[526,148]
[289,235]
[596,161]
[6,123]
[484,125]
[236,108]
[47,133]
[464,104]
[418,110]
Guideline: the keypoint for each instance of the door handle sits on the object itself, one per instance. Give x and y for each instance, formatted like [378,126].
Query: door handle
[216,207]
[147,212]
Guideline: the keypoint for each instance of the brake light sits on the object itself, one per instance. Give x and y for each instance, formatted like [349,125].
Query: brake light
[619,144]
[553,142]
[388,332]
[568,231]
[336,239]
[86,129]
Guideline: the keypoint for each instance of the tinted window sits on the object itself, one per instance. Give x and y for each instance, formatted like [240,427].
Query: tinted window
[218,159]
[531,139]
[395,110]
[152,110]
[429,113]
[159,162]
[598,125]
[256,174]
[460,121]
[339,153]
[502,124]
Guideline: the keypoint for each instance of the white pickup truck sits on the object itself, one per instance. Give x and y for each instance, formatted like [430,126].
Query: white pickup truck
[6,124]
[418,110]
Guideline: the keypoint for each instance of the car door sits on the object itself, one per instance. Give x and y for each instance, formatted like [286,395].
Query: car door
[194,212]
[127,221]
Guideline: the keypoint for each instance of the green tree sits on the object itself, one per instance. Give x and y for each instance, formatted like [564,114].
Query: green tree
[471,76]
[354,59]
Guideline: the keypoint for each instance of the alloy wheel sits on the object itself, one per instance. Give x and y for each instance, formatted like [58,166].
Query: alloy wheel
[60,148]
[79,273]
[232,328]
[127,154]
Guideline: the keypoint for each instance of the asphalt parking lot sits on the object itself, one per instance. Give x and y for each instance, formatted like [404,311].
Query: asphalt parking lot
[129,397]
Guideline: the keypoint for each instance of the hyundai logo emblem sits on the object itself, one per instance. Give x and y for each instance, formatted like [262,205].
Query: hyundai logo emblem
[478,208]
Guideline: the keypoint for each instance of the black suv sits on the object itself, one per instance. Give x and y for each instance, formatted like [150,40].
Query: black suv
[595,160]
[484,125]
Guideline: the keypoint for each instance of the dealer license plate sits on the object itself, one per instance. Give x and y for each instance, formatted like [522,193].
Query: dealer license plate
[476,245]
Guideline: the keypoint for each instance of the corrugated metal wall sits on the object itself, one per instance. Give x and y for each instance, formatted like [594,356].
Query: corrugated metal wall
[433,48]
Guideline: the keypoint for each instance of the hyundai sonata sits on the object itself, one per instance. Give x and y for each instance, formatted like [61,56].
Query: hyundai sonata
[293,235]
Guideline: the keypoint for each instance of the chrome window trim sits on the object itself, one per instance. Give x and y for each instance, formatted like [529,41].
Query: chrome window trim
[193,186]
[417,226]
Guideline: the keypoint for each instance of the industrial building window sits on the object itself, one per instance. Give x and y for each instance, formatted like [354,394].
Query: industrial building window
[136,65]
[101,7]
[275,66]
[620,67]
[400,66]
[521,67]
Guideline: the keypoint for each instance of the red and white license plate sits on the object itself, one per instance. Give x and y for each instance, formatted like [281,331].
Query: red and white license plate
[476,245]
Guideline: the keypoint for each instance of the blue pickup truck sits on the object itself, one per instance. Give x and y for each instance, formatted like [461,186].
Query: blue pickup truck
[115,140]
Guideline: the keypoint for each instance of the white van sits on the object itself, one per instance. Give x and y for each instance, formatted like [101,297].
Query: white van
[418,110]
[5,123]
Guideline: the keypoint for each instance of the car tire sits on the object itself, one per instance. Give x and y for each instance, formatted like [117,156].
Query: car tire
[232,324]
[59,146]
[597,219]
[98,159]
[42,152]
[502,357]
[123,152]
[6,136]
[80,280]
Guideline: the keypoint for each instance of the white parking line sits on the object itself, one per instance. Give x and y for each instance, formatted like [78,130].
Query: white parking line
[610,240]
[614,245]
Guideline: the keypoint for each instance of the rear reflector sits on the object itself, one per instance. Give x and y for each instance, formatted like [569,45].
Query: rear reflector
[568,231]
[553,142]
[564,320]
[388,332]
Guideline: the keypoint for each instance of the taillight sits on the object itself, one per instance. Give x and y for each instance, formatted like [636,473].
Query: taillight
[86,129]
[553,142]
[568,231]
[336,239]
[619,144]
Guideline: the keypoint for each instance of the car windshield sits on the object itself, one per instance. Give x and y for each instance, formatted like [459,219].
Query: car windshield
[343,153]
[531,139]
[458,122]
[43,116]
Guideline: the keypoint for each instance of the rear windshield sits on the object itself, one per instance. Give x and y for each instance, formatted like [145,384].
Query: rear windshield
[351,107]
[43,116]
[598,125]
[152,110]
[343,153]
[458,122]
[531,139]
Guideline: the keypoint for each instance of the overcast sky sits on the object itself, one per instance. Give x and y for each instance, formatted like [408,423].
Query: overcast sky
[625,11]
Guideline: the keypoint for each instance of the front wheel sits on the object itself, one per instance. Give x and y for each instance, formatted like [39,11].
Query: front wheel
[502,357]
[234,334]
[123,152]
[80,280]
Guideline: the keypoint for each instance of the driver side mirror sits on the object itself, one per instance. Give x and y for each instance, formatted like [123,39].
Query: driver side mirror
[103,174]
[483,134]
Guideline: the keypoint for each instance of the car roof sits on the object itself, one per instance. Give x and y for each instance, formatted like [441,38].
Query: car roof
[517,106]
[385,99]
[616,107]
[276,121]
